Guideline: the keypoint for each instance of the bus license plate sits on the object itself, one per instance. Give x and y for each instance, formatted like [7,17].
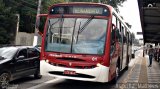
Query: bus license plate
[69,72]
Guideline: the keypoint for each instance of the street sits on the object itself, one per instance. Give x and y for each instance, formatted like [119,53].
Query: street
[133,76]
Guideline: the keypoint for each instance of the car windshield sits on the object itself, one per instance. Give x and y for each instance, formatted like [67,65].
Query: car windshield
[76,35]
[7,52]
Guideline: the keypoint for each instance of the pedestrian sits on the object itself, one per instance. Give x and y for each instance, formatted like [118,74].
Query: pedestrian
[151,55]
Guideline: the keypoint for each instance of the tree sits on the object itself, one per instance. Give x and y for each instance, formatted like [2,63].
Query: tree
[114,3]
[27,10]
[83,0]
[7,24]
[47,3]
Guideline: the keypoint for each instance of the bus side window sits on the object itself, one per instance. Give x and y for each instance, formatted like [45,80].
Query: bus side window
[118,35]
[124,33]
[114,22]
[113,27]
[115,36]
[130,38]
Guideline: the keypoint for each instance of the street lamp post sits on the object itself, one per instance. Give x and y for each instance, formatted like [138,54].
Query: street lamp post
[35,40]
[17,28]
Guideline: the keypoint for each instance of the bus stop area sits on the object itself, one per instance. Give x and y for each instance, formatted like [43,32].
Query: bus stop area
[140,76]
[150,22]
[147,75]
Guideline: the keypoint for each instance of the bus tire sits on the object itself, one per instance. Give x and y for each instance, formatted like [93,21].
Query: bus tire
[127,65]
[117,72]
[133,55]
[37,75]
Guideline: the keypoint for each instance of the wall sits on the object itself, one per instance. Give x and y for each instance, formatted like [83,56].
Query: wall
[24,38]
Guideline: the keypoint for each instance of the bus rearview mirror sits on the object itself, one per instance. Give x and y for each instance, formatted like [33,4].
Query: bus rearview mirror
[117,33]
[38,25]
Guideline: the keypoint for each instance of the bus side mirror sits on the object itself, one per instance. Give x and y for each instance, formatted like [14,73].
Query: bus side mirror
[116,33]
[38,24]
[113,37]
[118,36]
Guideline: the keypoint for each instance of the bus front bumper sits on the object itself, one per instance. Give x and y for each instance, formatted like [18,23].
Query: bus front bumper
[97,74]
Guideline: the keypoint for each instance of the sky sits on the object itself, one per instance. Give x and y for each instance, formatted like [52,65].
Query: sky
[130,13]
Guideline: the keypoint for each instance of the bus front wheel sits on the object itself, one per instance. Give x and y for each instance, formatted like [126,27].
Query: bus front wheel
[117,72]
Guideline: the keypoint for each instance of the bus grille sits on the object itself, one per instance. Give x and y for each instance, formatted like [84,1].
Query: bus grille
[70,59]
[76,67]
[77,75]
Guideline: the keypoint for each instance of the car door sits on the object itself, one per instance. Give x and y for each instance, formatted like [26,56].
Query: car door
[21,64]
[33,57]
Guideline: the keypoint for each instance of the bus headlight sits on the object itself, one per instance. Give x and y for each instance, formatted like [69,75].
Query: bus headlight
[47,61]
[98,64]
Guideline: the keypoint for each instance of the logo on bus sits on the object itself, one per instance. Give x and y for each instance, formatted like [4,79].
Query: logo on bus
[55,55]
[94,58]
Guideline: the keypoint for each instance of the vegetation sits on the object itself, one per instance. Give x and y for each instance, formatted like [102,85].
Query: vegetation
[27,9]
[7,24]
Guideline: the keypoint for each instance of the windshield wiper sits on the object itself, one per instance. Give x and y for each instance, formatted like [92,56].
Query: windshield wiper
[61,25]
[51,26]
[73,34]
[81,29]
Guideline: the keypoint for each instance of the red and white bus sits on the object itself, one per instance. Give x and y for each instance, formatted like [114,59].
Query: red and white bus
[85,41]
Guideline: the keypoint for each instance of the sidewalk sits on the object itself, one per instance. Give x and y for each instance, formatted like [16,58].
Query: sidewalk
[153,72]
[141,73]
[142,76]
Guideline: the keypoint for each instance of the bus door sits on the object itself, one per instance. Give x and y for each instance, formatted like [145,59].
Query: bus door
[121,43]
[128,47]
[113,49]
[124,46]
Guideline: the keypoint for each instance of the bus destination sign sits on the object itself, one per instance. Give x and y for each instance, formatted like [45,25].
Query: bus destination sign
[89,10]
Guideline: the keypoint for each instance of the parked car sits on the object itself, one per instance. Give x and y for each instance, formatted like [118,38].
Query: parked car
[17,62]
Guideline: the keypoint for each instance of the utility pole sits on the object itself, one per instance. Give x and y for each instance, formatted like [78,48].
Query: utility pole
[17,28]
[35,40]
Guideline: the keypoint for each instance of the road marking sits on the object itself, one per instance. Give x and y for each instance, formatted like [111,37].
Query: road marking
[46,83]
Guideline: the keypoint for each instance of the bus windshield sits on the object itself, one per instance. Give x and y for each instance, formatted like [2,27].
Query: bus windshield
[76,35]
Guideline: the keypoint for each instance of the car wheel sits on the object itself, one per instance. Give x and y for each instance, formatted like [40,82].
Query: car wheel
[37,75]
[4,80]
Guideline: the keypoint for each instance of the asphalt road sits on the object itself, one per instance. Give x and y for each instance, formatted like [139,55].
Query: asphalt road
[48,82]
